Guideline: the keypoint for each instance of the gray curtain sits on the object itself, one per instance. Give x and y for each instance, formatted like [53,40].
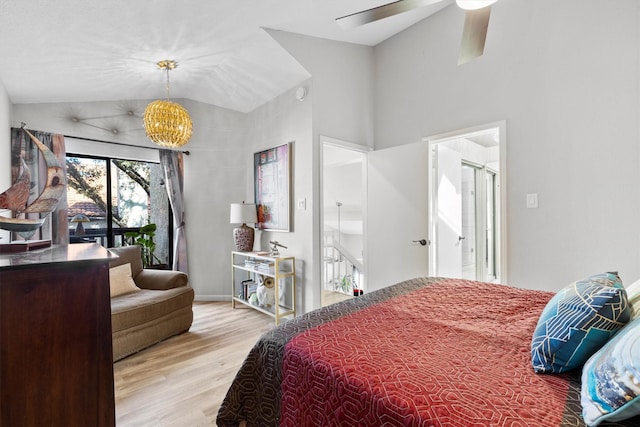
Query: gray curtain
[173,167]
[57,228]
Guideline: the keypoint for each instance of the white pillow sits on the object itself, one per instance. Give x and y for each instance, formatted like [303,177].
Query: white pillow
[633,296]
[120,280]
[611,379]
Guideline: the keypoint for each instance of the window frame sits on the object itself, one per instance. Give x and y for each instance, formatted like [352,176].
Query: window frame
[111,241]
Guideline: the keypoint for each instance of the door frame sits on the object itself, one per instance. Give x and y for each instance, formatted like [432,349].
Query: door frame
[502,263]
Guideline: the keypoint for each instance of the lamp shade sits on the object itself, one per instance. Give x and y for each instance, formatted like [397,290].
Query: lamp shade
[242,213]
[80,218]
[474,4]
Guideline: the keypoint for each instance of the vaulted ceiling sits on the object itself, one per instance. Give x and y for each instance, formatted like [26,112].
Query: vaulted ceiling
[79,50]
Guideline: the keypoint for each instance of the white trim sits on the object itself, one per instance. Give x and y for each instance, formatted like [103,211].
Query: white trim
[343,144]
[212,298]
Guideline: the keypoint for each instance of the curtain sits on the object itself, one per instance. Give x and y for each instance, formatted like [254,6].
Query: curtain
[173,166]
[57,228]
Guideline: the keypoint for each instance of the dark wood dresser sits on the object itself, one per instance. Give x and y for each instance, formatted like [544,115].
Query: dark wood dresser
[56,365]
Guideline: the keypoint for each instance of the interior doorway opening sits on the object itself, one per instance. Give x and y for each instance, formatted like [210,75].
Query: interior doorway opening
[478,222]
[466,204]
[343,207]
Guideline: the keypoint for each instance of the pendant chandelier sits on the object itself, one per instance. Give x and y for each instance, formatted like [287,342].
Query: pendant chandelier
[167,123]
[474,4]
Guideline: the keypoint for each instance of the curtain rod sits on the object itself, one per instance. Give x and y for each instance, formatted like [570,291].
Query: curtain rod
[120,143]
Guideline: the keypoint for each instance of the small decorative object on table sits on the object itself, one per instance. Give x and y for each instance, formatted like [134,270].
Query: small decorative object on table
[274,248]
[265,292]
[79,219]
[249,288]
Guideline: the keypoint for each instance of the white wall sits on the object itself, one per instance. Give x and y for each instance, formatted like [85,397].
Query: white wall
[342,85]
[474,152]
[5,147]
[57,118]
[5,136]
[283,120]
[564,75]
[215,171]
[215,174]
[342,96]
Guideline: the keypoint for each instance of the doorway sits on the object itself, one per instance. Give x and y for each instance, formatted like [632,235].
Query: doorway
[343,185]
[479,233]
[466,203]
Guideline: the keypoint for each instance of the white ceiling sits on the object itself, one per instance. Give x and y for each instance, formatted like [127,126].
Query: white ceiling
[81,50]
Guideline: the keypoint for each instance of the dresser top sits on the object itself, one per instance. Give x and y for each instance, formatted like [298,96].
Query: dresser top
[78,252]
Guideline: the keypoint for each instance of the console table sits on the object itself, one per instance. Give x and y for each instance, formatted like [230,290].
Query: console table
[247,266]
[56,364]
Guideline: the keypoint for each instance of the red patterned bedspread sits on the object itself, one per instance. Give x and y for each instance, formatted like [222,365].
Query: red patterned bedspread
[456,353]
[425,352]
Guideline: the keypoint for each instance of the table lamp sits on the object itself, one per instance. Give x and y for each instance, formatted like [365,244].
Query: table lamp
[241,213]
[79,219]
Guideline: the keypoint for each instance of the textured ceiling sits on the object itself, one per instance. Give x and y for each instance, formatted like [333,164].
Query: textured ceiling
[80,50]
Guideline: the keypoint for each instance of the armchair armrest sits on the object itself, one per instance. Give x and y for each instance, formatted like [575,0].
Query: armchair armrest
[161,279]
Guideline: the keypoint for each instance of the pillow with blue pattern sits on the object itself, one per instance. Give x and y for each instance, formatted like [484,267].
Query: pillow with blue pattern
[577,321]
[611,379]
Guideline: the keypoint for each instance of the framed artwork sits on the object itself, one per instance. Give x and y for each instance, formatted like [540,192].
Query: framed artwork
[272,186]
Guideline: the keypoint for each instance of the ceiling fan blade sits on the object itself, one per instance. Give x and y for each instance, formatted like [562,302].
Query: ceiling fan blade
[380,12]
[474,34]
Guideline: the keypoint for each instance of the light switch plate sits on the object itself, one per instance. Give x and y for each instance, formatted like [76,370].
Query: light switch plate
[532,200]
[302,204]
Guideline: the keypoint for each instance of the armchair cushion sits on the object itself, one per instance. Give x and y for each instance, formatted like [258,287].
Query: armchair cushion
[161,279]
[120,280]
[137,309]
[128,254]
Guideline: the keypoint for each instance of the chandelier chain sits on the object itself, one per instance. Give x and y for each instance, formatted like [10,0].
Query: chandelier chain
[168,86]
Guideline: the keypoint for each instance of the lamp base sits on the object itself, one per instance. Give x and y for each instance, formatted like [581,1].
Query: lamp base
[243,238]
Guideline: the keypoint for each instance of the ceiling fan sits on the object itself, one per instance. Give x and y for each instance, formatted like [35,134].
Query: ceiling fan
[474,33]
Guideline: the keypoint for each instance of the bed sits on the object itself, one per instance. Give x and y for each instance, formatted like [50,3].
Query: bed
[424,352]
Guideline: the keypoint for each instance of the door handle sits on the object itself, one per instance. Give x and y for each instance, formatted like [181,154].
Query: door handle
[423,242]
[461,238]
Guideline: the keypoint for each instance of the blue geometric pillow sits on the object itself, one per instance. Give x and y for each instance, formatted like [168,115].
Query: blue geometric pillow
[577,321]
[611,379]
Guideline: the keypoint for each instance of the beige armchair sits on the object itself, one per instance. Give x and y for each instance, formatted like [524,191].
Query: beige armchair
[161,307]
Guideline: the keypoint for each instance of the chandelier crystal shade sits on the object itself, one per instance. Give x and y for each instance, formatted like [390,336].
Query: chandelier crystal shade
[167,123]
[474,4]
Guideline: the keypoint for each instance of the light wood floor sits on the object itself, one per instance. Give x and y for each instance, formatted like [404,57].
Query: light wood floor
[329,297]
[181,382]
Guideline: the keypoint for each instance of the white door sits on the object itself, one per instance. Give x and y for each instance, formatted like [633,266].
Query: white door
[448,212]
[397,214]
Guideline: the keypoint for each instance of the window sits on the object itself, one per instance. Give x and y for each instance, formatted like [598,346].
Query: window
[109,197]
